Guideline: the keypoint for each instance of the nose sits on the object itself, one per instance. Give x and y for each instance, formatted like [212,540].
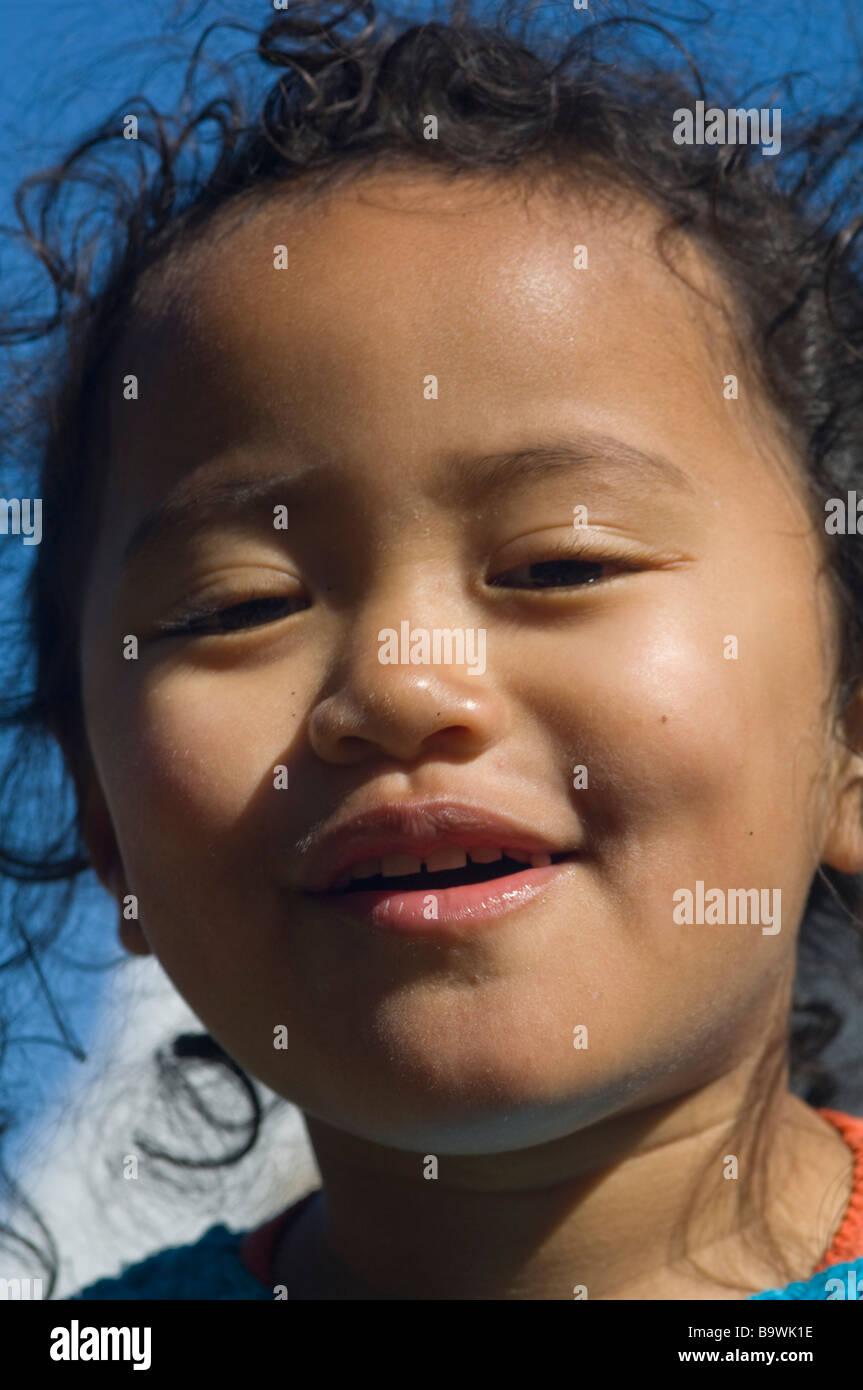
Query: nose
[402,711]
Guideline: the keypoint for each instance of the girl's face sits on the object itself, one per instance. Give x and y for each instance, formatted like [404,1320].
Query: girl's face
[422,332]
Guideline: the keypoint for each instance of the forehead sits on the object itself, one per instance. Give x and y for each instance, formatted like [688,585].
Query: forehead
[330,325]
[428,272]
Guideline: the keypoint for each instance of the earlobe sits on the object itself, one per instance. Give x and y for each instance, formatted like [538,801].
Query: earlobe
[130,933]
[843,844]
[98,831]
[132,938]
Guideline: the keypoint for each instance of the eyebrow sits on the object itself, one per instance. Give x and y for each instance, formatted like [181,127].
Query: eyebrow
[471,474]
[193,502]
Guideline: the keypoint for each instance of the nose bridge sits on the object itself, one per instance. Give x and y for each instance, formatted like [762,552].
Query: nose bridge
[406,579]
[411,666]
[420,618]
[416,630]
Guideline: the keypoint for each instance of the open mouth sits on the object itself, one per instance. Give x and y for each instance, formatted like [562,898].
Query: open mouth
[431,882]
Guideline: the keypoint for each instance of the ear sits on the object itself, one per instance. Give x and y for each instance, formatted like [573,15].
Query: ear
[98,831]
[843,844]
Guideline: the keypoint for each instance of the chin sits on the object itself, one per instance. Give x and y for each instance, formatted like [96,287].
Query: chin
[451,1122]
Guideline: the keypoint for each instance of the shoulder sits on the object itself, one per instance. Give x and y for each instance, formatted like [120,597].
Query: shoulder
[209,1268]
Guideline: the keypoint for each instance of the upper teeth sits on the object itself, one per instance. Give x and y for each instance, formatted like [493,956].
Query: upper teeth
[400,865]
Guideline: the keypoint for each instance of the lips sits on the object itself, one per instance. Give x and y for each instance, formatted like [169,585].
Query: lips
[414,845]
[435,913]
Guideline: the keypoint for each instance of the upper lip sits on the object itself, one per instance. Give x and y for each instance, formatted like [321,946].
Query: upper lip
[416,828]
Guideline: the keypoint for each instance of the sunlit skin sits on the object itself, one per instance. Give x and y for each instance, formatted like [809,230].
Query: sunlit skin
[558,1167]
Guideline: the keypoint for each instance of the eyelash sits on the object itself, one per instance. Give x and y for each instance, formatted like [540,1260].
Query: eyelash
[194,621]
[561,561]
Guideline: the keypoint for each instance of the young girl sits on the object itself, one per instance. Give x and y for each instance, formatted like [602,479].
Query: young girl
[438,617]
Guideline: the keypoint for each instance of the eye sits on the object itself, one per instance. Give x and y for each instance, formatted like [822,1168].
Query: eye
[255,612]
[563,573]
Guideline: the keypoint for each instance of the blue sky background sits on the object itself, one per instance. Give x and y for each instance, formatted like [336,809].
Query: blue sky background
[65,65]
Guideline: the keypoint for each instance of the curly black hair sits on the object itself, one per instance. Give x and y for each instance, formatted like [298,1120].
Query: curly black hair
[579,102]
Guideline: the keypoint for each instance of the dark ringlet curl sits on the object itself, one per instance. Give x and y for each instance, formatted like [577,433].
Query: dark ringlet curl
[584,105]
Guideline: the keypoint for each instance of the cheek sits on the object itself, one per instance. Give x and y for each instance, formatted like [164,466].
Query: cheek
[186,762]
[696,722]
[726,679]
[199,748]
[650,704]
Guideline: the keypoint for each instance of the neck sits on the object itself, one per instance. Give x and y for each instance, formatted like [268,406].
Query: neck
[642,1205]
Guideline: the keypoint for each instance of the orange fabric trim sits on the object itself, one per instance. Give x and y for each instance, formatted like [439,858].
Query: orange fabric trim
[847,1243]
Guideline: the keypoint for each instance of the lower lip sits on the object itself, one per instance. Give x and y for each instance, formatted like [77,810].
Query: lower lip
[428,911]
